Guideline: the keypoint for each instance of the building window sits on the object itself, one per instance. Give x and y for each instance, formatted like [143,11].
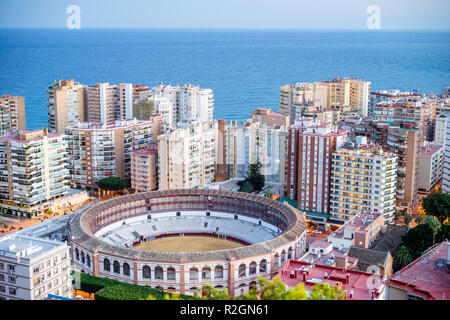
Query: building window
[193,274]
[263,266]
[2,289]
[126,269]
[206,273]
[116,267]
[13,291]
[171,274]
[252,269]
[106,265]
[159,273]
[146,272]
[12,280]
[242,268]
[218,272]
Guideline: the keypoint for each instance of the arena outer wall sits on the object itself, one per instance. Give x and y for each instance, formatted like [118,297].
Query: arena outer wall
[235,269]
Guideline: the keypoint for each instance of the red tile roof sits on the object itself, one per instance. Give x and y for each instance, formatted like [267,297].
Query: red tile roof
[428,276]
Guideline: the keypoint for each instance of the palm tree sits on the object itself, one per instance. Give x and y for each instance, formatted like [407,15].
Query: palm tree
[402,257]
[407,218]
[434,224]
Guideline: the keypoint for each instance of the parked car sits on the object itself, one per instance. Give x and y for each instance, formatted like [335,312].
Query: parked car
[317,231]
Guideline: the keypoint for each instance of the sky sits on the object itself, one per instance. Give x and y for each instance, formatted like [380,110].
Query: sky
[298,14]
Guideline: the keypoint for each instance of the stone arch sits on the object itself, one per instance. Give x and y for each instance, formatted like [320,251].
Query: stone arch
[146,272]
[116,267]
[159,273]
[252,268]
[193,273]
[263,266]
[106,265]
[241,270]
[171,273]
[126,269]
[218,272]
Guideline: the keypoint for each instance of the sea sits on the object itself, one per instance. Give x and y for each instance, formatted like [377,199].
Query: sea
[245,68]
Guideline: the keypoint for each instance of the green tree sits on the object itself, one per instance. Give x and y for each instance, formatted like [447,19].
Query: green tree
[326,292]
[247,187]
[209,293]
[49,212]
[112,184]
[402,257]
[268,194]
[143,109]
[255,175]
[397,215]
[434,225]
[437,205]
[407,218]
[419,219]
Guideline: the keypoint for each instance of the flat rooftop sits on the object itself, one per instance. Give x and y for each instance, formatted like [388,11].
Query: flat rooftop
[349,280]
[428,276]
[15,245]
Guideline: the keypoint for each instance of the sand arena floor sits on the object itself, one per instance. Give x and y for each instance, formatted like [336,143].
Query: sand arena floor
[188,244]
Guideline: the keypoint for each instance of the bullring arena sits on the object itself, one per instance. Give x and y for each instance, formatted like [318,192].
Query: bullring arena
[179,239]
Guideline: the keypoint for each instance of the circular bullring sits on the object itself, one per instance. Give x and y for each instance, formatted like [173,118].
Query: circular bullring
[123,238]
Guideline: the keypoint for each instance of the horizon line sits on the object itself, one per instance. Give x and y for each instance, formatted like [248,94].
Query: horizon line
[227,28]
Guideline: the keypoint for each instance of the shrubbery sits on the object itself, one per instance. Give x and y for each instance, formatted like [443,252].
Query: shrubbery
[108,289]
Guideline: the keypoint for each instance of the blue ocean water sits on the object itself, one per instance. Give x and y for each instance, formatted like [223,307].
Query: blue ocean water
[245,68]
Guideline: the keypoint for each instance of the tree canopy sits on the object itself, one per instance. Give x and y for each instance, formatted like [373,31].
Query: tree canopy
[437,205]
[112,183]
[275,289]
[254,177]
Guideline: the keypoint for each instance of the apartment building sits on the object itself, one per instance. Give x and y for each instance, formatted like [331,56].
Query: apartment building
[440,132]
[187,156]
[387,95]
[66,105]
[431,165]
[33,171]
[270,118]
[418,109]
[99,150]
[153,104]
[363,179]
[189,102]
[348,96]
[446,171]
[310,148]
[109,103]
[144,168]
[296,97]
[361,230]
[254,141]
[12,113]
[403,141]
[31,268]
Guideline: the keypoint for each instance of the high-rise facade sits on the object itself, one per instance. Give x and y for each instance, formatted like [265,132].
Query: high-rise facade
[364,179]
[98,150]
[254,141]
[418,109]
[187,157]
[446,170]
[31,268]
[144,168]
[440,132]
[349,97]
[155,104]
[67,105]
[12,113]
[190,103]
[33,171]
[310,148]
[109,103]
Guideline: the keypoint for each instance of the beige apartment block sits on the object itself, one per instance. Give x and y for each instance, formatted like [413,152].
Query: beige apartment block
[187,157]
[270,118]
[253,141]
[364,179]
[67,105]
[144,168]
[98,150]
[12,113]
[33,171]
